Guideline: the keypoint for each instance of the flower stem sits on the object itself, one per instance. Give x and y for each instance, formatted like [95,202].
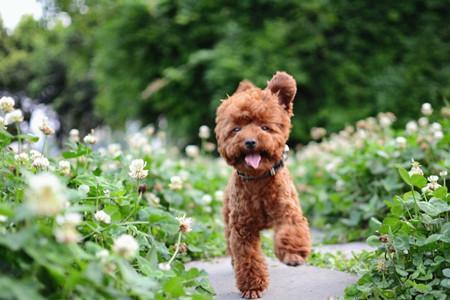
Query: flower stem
[19,139]
[177,248]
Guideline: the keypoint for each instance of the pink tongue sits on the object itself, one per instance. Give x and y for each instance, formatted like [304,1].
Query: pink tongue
[253,160]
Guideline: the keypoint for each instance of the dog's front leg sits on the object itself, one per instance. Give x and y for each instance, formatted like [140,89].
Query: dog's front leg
[292,239]
[252,277]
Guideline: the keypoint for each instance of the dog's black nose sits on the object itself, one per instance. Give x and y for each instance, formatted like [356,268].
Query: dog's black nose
[250,144]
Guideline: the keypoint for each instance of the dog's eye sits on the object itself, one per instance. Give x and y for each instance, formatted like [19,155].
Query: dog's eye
[265,128]
[236,129]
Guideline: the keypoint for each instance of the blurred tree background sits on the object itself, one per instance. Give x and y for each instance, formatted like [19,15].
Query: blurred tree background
[139,59]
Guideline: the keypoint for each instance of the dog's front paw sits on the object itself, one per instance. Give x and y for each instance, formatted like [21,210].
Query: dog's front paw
[252,294]
[292,259]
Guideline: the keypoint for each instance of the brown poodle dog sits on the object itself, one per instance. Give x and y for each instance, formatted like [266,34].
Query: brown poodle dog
[252,127]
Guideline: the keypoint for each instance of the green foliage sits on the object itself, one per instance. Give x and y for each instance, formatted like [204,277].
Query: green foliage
[346,180]
[141,59]
[413,258]
[45,257]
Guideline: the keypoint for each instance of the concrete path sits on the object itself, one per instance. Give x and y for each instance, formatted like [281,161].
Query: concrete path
[286,283]
[302,283]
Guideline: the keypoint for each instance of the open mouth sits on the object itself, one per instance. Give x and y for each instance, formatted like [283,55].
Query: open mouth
[253,159]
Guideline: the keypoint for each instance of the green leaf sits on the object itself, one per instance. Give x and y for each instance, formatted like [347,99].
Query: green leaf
[28,137]
[174,287]
[418,181]
[401,272]
[5,137]
[422,288]
[373,241]
[97,172]
[401,242]
[445,283]
[434,207]
[446,272]
[440,193]
[405,176]
[17,240]
[19,289]
[80,151]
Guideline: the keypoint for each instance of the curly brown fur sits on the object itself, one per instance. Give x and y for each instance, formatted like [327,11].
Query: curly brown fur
[262,116]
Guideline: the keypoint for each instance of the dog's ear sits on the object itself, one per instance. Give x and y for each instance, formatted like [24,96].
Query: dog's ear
[284,86]
[244,85]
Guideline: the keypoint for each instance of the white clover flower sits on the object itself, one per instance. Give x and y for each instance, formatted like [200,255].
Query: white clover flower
[426,109]
[67,235]
[137,141]
[206,199]
[210,147]
[90,138]
[435,126]
[415,168]
[433,183]
[185,224]
[2,123]
[3,218]
[40,162]
[164,266]
[102,254]
[438,135]
[102,216]
[126,246]
[147,149]
[400,142]
[35,154]
[317,133]
[21,157]
[192,151]
[84,189]
[411,127]
[110,166]
[423,122]
[74,135]
[45,195]
[204,132]
[114,150]
[45,127]
[386,119]
[152,199]
[64,167]
[176,183]
[137,170]
[218,195]
[15,116]
[149,130]
[7,104]
[443,173]
[69,219]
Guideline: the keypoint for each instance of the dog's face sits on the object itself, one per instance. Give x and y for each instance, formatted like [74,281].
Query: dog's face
[252,126]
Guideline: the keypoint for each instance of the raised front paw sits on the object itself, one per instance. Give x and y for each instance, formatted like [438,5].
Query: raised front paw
[293,260]
[251,294]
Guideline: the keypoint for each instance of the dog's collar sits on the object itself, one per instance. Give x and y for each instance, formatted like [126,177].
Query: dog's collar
[277,166]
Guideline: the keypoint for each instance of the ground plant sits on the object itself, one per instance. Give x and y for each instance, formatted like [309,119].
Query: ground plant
[109,222]
[345,179]
[413,256]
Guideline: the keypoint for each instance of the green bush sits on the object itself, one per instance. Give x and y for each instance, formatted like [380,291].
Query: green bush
[345,180]
[93,223]
[413,258]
